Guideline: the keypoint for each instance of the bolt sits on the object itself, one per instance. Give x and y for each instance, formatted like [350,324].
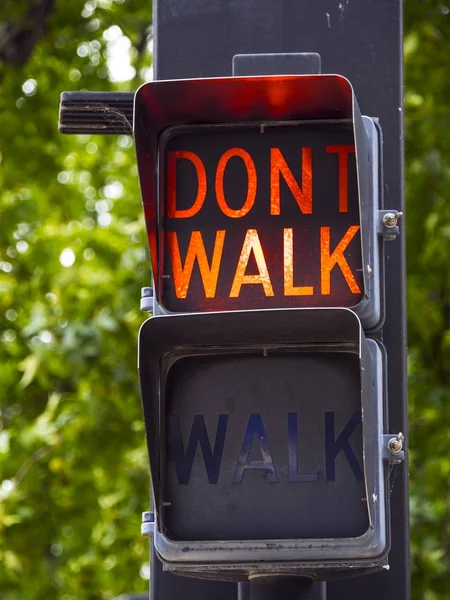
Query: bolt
[395,445]
[146,299]
[148,517]
[390,219]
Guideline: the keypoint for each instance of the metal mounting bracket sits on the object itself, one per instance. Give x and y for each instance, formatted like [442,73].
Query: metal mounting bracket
[147,299]
[148,524]
[388,224]
[393,448]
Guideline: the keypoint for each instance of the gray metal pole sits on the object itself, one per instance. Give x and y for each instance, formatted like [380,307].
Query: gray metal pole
[361,40]
[243,591]
[281,590]
[278,587]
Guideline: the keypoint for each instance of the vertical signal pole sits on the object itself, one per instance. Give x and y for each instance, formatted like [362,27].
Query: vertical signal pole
[361,40]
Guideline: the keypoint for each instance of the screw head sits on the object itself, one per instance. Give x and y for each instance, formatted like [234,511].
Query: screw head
[395,446]
[390,220]
[147,292]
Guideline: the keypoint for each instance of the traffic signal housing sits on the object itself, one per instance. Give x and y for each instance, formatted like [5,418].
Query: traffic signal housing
[263,372]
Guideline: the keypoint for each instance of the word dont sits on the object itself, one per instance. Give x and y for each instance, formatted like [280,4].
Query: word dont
[279,170]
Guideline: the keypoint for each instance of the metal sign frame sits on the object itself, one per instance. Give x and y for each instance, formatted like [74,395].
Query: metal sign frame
[199,334]
[267,100]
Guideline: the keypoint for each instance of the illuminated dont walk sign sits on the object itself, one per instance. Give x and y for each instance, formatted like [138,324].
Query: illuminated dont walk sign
[262,374]
[260,216]
[263,196]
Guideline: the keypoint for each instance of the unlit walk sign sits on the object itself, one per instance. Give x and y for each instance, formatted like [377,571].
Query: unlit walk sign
[283,430]
[260,216]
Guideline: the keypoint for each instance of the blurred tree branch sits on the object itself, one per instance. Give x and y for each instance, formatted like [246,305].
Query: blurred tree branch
[18,40]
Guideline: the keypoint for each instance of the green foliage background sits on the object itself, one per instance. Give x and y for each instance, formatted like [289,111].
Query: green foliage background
[427,113]
[73,466]
[72,451]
